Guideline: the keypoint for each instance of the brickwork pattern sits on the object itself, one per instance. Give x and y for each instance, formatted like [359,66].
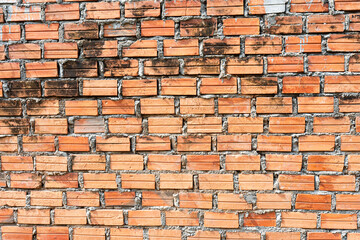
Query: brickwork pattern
[180,119]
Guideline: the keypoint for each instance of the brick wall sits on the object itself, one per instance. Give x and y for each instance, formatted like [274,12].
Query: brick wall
[181,119]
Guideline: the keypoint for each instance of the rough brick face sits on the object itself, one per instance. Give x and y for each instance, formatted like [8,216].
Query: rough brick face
[179,119]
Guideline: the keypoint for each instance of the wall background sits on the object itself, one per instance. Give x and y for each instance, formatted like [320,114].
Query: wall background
[218,119]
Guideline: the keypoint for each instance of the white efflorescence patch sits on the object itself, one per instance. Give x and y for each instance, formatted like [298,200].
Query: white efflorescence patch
[274,6]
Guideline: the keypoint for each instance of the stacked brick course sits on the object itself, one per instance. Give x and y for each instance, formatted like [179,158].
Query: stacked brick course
[179,119]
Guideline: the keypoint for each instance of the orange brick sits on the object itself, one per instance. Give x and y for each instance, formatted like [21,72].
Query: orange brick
[118,29]
[8,144]
[276,162]
[142,9]
[10,70]
[176,181]
[203,162]
[234,105]
[51,163]
[210,235]
[41,70]
[146,87]
[165,125]
[260,220]
[181,218]
[325,163]
[15,232]
[197,106]
[10,32]
[141,48]
[182,8]
[73,144]
[34,216]
[154,28]
[303,6]
[221,220]
[83,199]
[303,44]
[157,106]
[7,216]
[216,46]
[67,180]
[234,143]
[255,181]
[42,31]
[144,218]
[284,24]
[285,64]
[273,200]
[350,236]
[245,124]
[25,180]
[354,23]
[241,26]
[195,200]
[324,235]
[12,108]
[86,30]
[347,202]
[138,181]
[125,125]
[287,125]
[326,63]
[243,235]
[193,143]
[123,106]
[178,86]
[13,198]
[282,235]
[89,125]
[157,199]
[204,125]
[220,8]
[106,217]
[341,84]
[119,198]
[316,143]
[126,162]
[14,126]
[298,220]
[60,12]
[274,143]
[60,50]
[248,65]
[315,104]
[23,14]
[46,198]
[94,49]
[61,88]
[259,85]
[17,163]
[353,163]
[313,202]
[195,66]
[325,23]
[338,221]
[306,84]
[164,162]
[126,233]
[198,27]
[153,143]
[349,143]
[296,182]
[158,234]
[230,201]
[24,51]
[337,183]
[82,107]
[184,47]
[263,45]
[216,181]
[81,233]
[242,162]
[51,233]
[100,180]
[218,86]
[274,105]
[113,143]
[103,10]
[156,67]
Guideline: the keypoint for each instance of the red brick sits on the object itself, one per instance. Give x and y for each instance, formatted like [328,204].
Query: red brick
[23,14]
[43,107]
[303,44]
[353,162]
[10,70]
[126,162]
[60,50]
[347,202]
[141,48]
[243,235]
[303,6]
[306,84]
[354,22]
[223,7]
[24,51]
[11,108]
[117,29]
[73,144]
[7,216]
[315,104]
[287,124]
[204,125]
[210,235]
[41,70]
[248,66]
[326,63]
[89,125]
[8,144]
[285,64]
[165,125]
[218,86]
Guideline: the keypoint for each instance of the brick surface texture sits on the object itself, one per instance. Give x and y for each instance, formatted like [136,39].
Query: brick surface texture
[179,120]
